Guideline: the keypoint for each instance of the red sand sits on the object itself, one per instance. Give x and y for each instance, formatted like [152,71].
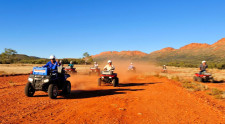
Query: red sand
[140,99]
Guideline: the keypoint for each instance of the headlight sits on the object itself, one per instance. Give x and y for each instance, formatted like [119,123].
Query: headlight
[110,77]
[30,79]
[102,77]
[46,80]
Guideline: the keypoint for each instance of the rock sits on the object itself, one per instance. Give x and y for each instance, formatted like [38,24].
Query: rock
[139,113]
[123,109]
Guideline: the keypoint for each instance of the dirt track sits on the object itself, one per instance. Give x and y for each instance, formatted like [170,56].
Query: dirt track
[141,99]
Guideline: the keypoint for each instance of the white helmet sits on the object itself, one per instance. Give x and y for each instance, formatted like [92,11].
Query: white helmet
[71,62]
[131,63]
[52,57]
[109,61]
[164,65]
[95,62]
[204,61]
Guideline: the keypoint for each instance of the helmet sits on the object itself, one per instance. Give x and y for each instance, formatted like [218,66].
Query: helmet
[164,65]
[131,63]
[204,61]
[95,62]
[71,62]
[60,61]
[52,57]
[109,61]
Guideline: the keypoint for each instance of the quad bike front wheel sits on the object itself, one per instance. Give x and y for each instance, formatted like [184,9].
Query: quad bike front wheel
[53,91]
[199,79]
[29,90]
[195,78]
[115,82]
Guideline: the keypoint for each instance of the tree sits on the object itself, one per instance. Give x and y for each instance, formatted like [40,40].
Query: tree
[8,53]
[7,56]
[86,55]
[87,58]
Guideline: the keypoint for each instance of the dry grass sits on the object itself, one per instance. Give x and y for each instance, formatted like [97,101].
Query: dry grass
[16,68]
[189,85]
[2,72]
[193,86]
[27,68]
[218,94]
[175,78]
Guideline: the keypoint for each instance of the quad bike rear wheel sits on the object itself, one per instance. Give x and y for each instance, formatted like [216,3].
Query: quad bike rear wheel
[29,90]
[212,80]
[52,91]
[67,88]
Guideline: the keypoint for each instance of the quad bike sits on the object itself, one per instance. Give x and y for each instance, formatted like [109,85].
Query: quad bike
[95,71]
[71,70]
[108,77]
[50,81]
[164,71]
[204,77]
[132,70]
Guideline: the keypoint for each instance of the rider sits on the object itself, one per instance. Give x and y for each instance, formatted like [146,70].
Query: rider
[203,67]
[95,65]
[59,62]
[109,66]
[51,64]
[164,67]
[71,64]
[131,66]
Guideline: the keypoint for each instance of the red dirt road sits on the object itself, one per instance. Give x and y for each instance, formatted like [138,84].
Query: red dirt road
[145,99]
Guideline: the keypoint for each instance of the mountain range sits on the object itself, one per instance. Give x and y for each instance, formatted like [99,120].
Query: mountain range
[192,53]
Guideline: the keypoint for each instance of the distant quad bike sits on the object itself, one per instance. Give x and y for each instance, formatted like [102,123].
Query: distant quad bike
[164,71]
[95,71]
[108,77]
[42,79]
[71,70]
[132,70]
[204,77]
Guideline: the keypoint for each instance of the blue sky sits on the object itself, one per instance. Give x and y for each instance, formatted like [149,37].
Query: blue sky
[68,28]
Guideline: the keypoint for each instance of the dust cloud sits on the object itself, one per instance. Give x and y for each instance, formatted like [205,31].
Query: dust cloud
[86,82]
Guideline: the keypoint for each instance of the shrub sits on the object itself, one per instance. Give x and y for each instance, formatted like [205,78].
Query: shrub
[218,94]
[175,78]
[216,91]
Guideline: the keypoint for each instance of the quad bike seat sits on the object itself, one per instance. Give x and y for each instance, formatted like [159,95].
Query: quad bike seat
[107,72]
[60,69]
[93,68]
[206,74]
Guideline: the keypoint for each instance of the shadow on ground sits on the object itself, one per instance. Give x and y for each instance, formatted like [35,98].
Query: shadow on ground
[40,95]
[81,94]
[135,84]
[221,81]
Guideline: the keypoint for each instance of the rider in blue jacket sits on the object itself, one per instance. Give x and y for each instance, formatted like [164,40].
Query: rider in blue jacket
[52,65]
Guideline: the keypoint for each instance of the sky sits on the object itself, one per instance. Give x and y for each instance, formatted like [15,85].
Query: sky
[68,28]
